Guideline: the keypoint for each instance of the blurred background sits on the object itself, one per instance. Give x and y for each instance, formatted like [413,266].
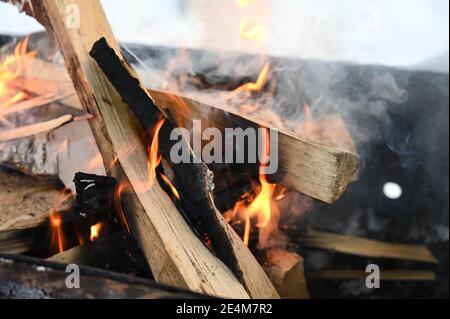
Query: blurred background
[396,33]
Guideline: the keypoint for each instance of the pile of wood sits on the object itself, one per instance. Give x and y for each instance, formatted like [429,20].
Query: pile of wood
[169,233]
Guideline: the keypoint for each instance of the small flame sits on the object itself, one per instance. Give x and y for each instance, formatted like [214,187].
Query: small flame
[154,156]
[95,231]
[57,232]
[118,203]
[262,206]
[169,183]
[56,223]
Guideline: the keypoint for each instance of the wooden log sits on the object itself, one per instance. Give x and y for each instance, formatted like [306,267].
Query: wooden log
[27,202]
[176,256]
[365,247]
[386,275]
[36,155]
[192,178]
[285,270]
[31,278]
[323,159]
[313,168]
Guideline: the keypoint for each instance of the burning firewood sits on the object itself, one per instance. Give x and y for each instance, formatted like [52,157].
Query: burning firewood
[118,252]
[329,130]
[313,168]
[175,255]
[365,247]
[25,277]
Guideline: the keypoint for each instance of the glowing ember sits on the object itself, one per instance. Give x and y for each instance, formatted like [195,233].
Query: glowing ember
[95,231]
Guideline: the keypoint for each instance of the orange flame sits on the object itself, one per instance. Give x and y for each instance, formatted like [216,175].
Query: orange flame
[154,156]
[56,224]
[262,206]
[57,233]
[10,68]
[118,203]
[169,183]
[95,231]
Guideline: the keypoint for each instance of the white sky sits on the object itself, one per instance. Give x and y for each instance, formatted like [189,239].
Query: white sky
[390,32]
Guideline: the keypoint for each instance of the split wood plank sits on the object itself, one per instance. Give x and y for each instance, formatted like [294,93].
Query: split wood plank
[366,247]
[313,168]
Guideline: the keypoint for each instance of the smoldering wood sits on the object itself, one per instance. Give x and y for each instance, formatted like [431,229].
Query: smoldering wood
[95,194]
[117,252]
[313,168]
[27,202]
[193,180]
[21,241]
[114,130]
[329,130]
[358,246]
[31,278]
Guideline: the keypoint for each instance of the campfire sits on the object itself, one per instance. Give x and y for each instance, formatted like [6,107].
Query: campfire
[207,184]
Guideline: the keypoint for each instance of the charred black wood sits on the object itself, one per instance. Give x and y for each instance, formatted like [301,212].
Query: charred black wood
[193,180]
[95,194]
[117,252]
[31,278]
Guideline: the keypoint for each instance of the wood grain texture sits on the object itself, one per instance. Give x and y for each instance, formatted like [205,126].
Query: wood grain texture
[175,255]
[27,202]
[365,247]
[313,168]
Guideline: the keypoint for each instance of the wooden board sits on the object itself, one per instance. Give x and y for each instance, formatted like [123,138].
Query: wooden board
[365,247]
[313,168]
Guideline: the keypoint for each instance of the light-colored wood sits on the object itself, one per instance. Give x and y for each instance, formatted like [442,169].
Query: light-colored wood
[27,202]
[365,247]
[285,270]
[387,275]
[320,166]
[175,255]
[313,168]
[33,129]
